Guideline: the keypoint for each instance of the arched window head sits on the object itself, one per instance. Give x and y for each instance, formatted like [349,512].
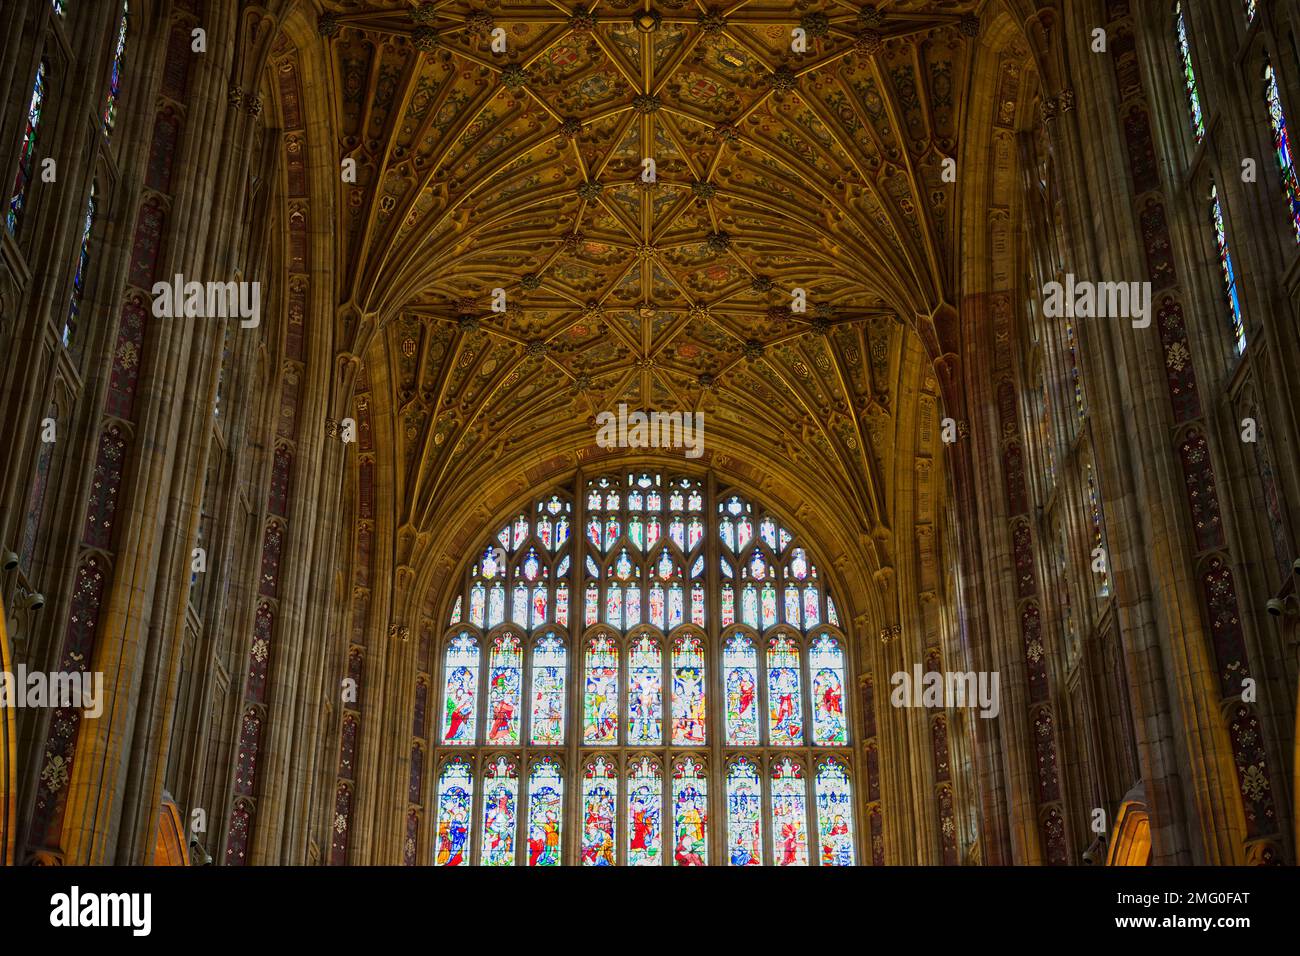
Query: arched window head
[645,692]
[115,74]
[1189,73]
[689,711]
[27,151]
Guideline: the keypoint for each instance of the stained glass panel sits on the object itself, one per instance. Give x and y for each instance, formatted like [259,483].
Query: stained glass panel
[545,812]
[689,716]
[789,814]
[598,813]
[505,687]
[500,814]
[740,664]
[645,692]
[784,693]
[461,698]
[834,814]
[1228,272]
[455,796]
[1282,145]
[644,814]
[744,814]
[27,154]
[547,719]
[826,662]
[690,813]
[1189,74]
[600,696]
[115,77]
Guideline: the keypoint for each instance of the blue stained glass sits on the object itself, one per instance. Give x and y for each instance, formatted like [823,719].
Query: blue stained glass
[1229,273]
[1282,146]
[79,279]
[545,812]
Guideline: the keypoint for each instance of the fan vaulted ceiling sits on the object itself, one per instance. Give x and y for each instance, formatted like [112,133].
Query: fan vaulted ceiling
[523,170]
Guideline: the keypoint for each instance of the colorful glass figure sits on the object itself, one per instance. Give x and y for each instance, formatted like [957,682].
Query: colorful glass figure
[505,683]
[690,813]
[461,698]
[689,718]
[455,797]
[500,814]
[547,719]
[826,662]
[645,692]
[744,814]
[545,812]
[789,814]
[83,264]
[784,694]
[834,814]
[644,814]
[600,696]
[599,813]
[740,665]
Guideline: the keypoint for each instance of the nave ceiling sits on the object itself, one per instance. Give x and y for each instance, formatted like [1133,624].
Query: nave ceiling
[774,170]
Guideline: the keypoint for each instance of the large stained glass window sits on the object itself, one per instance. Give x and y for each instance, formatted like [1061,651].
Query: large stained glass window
[1282,146]
[115,76]
[744,814]
[789,814]
[599,813]
[690,813]
[834,813]
[545,812]
[455,797]
[83,264]
[500,813]
[1189,74]
[1100,559]
[27,152]
[1229,273]
[645,814]
[625,622]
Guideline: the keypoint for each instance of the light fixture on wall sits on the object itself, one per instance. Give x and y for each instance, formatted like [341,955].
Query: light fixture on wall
[10,561]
